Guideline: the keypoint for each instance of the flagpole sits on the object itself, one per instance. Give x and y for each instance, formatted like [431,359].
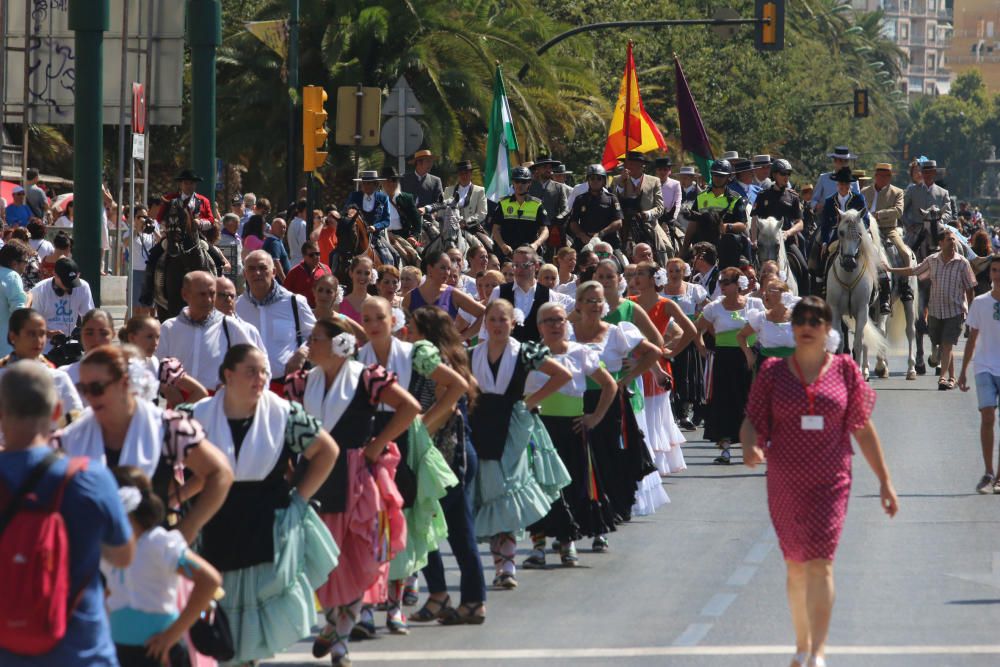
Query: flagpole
[628,91]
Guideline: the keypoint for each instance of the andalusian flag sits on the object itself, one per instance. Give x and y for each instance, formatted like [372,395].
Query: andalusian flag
[499,144]
[694,139]
[631,127]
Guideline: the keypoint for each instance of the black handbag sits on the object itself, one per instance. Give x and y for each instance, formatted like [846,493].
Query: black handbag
[212,636]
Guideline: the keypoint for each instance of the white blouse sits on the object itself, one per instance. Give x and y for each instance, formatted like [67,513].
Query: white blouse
[580,360]
[771,334]
[617,344]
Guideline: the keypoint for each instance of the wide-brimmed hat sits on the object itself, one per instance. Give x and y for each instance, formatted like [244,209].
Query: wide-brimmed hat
[730,155]
[688,171]
[663,163]
[464,165]
[929,164]
[637,156]
[883,166]
[187,175]
[806,186]
[741,165]
[762,160]
[560,169]
[842,153]
[389,173]
[843,175]
[543,160]
[420,155]
[368,176]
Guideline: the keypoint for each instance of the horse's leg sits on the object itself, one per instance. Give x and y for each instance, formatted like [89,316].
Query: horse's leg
[881,362]
[860,320]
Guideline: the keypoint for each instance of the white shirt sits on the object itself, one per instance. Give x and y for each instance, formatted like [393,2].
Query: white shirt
[522,301]
[983,317]
[276,325]
[671,190]
[63,221]
[42,247]
[463,194]
[141,245]
[394,223]
[61,312]
[149,584]
[201,349]
[296,236]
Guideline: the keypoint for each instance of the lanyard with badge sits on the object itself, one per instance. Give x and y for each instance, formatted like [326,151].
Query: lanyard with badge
[811,421]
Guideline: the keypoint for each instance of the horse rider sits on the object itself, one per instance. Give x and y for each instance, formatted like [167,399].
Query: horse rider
[842,199]
[404,218]
[470,202]
[199,205]
[641,199]
[596,213]
[518,219]
[743,182]
[762,171]
[372,205]
[553,197]
[672,199]
[425,187]
[923,195]
[782,202]
[825,186]
[885,205]
[720,198]
[689,186]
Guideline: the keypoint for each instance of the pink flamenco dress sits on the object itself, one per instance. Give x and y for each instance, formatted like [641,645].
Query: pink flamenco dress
[808,471]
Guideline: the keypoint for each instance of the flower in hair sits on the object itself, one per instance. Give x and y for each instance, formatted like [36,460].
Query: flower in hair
[518,317]
[142,383]
[743,282]
[833,341]
[788,299]
[687,270]
[398,319]
[344,344]
[130,497]
[660,277]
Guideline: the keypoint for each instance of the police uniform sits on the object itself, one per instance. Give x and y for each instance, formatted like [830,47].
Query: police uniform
[783,204]
[732,207]
[520,222]
[595,212]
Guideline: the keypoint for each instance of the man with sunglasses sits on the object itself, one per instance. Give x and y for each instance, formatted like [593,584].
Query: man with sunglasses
[525,293]
[304,275]
[19,212]
[519,219]
[596,213]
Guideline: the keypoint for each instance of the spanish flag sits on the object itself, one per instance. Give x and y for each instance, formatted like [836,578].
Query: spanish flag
[631,127]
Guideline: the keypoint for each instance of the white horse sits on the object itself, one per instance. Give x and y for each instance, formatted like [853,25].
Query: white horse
[852,278]
[446,234]
[909,312]
[771,247]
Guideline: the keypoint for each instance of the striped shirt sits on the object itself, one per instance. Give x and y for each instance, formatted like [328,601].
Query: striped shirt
[949,283]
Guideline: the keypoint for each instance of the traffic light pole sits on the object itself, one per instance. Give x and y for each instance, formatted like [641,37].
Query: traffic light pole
[204,33]
[292,168]
[88,20]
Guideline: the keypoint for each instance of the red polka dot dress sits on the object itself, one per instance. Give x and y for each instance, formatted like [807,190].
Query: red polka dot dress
[809,471]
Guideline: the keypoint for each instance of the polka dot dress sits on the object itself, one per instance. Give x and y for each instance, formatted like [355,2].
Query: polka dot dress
[809,472]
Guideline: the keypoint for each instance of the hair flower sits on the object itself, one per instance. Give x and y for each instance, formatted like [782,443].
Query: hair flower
[344,344]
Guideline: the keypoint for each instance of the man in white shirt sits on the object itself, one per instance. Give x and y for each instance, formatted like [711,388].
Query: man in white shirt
[200,335]
[62,299]
[283,319]
[524,293]
[984,329]
[671,189]
[298,232]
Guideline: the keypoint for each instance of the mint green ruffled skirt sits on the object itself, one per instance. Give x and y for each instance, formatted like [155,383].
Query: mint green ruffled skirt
[516,491]
[425,524]
[270,606]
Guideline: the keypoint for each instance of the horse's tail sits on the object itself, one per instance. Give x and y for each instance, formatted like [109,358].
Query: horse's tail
[875,340]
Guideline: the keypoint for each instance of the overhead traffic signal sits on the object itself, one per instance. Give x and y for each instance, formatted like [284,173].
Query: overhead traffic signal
[861,103]
[770,31]
[313,128]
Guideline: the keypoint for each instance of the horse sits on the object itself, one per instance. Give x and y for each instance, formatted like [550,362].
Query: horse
[181,251]
[852,277]
[771,247]
[702,226]
[446,235]
[909,308]
[353,239]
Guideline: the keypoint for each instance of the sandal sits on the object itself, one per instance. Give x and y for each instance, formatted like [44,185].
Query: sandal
[469,617]
[943,385]
[723,458]
[425,614]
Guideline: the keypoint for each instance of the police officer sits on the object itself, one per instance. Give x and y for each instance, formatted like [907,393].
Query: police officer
[720,198]
[596,213]
[782,202]
[519,219]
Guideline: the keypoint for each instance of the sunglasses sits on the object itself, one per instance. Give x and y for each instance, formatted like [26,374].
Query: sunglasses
[524,265]
[603,254]
[554,321]
[95,388]
[808,321]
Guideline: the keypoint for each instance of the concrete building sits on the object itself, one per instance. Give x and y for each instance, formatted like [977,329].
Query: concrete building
[976,40]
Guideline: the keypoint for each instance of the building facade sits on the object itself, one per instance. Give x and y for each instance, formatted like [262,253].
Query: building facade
[976,40]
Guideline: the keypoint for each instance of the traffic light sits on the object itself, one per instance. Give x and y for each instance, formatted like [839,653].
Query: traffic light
[770,32]
[861,103]
[313,128]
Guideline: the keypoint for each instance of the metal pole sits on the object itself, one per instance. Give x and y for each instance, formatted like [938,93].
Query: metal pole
[130,286]
[204,32]
[25,97]
[358,98]
[148,83]
[3,75]
[88,20]
[122,92]
[293,166]
[401,130]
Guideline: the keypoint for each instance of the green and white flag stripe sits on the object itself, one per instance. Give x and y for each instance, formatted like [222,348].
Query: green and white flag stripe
[501,140]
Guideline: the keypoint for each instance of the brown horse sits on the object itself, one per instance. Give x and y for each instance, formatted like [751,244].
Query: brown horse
[353,240]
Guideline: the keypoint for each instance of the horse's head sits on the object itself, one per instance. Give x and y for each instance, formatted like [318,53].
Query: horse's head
[932,225]
[768,239]
[179,223]
[849,235]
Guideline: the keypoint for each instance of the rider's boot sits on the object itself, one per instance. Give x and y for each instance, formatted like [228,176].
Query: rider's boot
[884,296]
[905,293]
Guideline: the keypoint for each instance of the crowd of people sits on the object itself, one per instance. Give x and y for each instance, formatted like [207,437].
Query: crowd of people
[319,416]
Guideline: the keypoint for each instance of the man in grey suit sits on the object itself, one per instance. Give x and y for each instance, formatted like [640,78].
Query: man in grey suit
[923,196]
[552,193]
[471,201]
[885,207]
[425,187]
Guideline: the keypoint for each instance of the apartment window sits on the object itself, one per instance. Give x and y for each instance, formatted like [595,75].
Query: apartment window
[931,32]
[931,5]
[904,31]
[931,61]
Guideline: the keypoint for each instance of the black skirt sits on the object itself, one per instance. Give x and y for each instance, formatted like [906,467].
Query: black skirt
[689,377]
[728,394]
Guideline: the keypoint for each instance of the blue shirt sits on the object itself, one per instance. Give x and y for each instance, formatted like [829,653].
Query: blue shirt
[12,297]
[276,249]
[94,516]
[18,215]
[826,187]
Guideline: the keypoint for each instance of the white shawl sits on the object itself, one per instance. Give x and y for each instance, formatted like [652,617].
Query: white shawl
[143,441]
[399,362]
[262,445]
[329,406]
[481,367]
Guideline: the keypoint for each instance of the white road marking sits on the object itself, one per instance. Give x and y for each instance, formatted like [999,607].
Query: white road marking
[742,575]
[693,634]
[758,552]
[718,605]
[638,652]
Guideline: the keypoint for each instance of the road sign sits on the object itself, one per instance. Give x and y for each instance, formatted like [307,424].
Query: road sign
[725,31]
[402,101]
[138,109]
[138,146]
[402,136]
[358,114]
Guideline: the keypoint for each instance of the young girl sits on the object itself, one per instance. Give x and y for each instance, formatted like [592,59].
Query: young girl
[175,384]
[146,624]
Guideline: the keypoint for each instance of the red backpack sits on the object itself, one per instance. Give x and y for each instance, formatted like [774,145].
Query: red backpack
[34,565]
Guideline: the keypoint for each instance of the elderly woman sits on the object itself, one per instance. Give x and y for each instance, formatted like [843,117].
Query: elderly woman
[771,326]
[730,374]
[801,415]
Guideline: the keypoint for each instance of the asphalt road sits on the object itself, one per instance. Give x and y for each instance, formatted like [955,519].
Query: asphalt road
[702,582]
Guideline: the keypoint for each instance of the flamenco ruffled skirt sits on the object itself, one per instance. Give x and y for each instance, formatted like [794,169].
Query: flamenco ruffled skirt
[270,606]
[662,431]
[728,391]
[518,489]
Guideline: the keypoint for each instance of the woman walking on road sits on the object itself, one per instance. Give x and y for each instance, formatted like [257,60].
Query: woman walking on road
[801,413]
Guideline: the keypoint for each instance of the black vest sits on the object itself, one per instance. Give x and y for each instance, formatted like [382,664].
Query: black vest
[528,330]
